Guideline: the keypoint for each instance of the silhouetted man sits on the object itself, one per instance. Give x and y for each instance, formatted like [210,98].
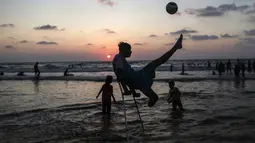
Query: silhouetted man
[249,66]
[243,69]
[36,69]
[253,66]
[237,68]
[229,67]
[142,79]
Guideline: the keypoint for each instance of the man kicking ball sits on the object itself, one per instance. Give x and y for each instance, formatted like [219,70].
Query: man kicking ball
[142,79]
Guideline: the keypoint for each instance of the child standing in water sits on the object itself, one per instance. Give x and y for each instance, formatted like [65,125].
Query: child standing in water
[174,96]
[106,95]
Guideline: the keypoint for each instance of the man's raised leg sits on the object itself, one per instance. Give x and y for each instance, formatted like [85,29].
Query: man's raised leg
[164,58]
[153,97]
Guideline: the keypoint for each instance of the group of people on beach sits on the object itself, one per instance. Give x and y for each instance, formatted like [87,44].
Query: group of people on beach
[221,67]
[239,67]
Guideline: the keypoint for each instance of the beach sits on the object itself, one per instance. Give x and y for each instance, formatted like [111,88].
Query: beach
[67,111]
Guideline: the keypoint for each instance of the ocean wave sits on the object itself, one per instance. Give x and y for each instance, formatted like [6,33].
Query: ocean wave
[102,78]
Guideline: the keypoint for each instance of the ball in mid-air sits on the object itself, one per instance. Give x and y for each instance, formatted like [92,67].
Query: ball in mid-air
[171,8]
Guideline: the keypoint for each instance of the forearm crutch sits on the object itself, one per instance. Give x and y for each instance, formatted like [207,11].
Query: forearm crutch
[125,116]
[138,112]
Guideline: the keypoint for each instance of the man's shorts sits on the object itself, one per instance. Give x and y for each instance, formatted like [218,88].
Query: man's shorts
[142,79]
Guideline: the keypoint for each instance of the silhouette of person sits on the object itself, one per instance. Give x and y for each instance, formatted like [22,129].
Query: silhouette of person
[221,68]
[21,74]
[243,69]
[229,67]
[142,79]
[174,96]
[253,66]
[171,67]
[217,66]
[183,70]
[107,90]
[209,65]
[36,69]
[66,73]
[237,68]
[249,66]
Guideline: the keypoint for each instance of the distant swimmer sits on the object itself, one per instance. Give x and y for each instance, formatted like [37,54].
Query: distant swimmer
[36,69]
[229,67]
[1,73]
[249,66]
[21,74]
[66,73]
[243,68]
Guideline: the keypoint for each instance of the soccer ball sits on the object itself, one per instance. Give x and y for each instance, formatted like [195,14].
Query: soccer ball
[171,8]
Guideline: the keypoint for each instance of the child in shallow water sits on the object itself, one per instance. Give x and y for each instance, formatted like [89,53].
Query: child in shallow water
[174,96]
[106,95]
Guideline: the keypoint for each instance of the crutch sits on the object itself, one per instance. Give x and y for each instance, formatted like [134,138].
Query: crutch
[123,102]
[138,112]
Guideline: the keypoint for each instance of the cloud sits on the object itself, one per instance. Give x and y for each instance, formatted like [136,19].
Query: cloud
[203,37]
[12,38]
[228,36]
[248,41]
[48,27]
[46,43]
[183,31]
[9,47]
[89,44]
[153,35]
[107,2]
[250,32]
[103,47]
[7,25]
[109,31]
[23,41]
[138,44]
[211,11]
[232,7]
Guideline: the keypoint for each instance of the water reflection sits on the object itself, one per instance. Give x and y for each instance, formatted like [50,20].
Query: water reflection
[36,86]
[239,83]
[107,124]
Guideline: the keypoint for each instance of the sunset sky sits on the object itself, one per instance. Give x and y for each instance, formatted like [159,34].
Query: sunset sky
[75,30]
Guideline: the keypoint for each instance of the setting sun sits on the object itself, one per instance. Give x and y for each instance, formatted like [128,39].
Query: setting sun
[108,56]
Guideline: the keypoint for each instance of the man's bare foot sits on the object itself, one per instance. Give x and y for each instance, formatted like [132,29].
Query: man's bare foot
[178,44]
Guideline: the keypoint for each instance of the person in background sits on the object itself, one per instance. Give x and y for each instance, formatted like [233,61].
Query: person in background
[36,69]
[107,93]
[253,66]
[229,67]
[174,96]
[243,69]
[249,66]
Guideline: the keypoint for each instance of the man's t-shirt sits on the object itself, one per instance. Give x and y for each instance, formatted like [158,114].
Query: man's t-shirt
[121,67]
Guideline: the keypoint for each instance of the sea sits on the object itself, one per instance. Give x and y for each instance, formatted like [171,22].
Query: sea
[58,109]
